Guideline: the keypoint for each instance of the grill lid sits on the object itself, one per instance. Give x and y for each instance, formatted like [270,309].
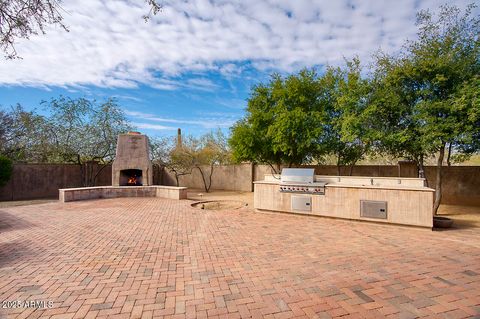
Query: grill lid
[298,175]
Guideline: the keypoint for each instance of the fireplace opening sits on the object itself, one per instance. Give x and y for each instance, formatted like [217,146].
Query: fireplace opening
[131,177]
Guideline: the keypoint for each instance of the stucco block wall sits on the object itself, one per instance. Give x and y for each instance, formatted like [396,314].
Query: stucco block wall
[461,184]
[32,181]
[226,177]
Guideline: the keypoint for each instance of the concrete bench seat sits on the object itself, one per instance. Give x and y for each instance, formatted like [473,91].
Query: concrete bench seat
[85,193]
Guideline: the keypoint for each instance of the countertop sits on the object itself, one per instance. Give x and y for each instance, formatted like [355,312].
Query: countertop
[345,185]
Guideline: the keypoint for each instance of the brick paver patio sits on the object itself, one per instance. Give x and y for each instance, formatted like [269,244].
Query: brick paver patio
[148,257]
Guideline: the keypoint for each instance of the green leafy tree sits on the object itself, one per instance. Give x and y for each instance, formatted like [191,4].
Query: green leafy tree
[397,128]
[468,144]
[6,123]
[282,122]
[26,136]
[347,128]
[85,132]
[432,89]
[6,168]
[76,131]
[249,142]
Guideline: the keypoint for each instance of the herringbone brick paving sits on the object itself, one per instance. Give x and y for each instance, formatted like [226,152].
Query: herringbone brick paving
[150,257]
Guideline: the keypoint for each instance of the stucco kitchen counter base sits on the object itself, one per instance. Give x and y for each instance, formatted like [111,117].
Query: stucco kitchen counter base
[406,205]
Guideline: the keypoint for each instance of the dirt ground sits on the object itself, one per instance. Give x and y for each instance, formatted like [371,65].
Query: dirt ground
[464,216]
[199,195]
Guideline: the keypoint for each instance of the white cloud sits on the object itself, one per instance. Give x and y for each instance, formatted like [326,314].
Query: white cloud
[201,84]
[109,44]
[152,126]
[214,120]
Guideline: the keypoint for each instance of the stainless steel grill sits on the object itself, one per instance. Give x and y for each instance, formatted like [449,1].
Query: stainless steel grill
[300,180]
[299,175]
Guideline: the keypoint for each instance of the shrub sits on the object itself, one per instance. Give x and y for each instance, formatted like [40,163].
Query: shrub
[5,170]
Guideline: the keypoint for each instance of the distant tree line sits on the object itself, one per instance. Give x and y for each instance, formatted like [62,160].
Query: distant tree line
[76,131]
[422,102]
[81,131]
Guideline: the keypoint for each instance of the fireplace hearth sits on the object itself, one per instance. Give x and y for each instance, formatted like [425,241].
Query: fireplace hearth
[132,166]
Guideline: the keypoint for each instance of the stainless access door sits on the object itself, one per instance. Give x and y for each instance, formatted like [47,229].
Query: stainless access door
[373,209]
[302,203]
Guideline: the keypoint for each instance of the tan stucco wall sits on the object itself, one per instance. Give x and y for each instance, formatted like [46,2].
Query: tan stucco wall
[461,184]
[31,181]
[226,177]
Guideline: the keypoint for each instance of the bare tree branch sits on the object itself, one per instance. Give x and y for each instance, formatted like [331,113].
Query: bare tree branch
[20,19]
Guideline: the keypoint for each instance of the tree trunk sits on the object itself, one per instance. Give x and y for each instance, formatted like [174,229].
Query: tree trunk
[338,165]
[203,179]
[273,169]
[176,179]
[449,153]
[94,179]
[438,181]
[421,170]
[210,178]
[83,171]
[350,172]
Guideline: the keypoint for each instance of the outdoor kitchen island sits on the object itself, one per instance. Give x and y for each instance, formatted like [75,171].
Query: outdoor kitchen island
[393,200]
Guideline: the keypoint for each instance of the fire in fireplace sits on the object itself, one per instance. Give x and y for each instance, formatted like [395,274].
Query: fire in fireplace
[132,165]
[131,177]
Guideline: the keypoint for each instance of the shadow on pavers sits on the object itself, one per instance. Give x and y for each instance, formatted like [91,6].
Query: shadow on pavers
[14,252]
[9,222]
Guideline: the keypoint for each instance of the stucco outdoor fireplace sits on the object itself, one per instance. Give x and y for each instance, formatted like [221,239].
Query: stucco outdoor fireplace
[132,166]
[132,175]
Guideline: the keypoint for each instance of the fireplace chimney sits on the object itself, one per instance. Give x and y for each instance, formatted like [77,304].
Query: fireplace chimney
[132,166]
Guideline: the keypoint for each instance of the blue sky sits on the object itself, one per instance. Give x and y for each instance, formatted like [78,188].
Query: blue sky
[192,66]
